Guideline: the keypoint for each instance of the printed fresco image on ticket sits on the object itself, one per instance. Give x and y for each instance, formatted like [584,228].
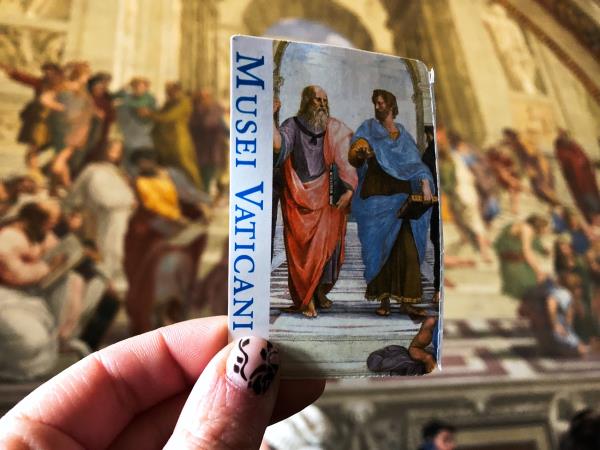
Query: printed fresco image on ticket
[335,236]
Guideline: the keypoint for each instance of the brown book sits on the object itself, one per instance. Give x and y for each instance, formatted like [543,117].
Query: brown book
[414,207]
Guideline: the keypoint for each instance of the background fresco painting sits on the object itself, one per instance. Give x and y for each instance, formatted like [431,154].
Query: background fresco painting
[117,152]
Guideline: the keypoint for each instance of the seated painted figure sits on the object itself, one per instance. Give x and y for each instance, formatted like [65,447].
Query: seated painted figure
[389,170]
[161,269]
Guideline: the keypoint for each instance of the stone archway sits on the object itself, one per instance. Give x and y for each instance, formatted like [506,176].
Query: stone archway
[261,14]
[254,17]
[472,92]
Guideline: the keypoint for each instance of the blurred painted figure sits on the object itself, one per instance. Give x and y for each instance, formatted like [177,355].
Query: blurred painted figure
[518,247]
[579,175]
[469,194]
[103,192]
[506,169]
[209,133]
[34,321]
[136,130]
[69,127]
[98,87]
[171,133]
[161,269]
[534,165]
[34,127]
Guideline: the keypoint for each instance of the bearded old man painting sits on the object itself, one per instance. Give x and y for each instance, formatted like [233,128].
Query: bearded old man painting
[389,170]
[308,145]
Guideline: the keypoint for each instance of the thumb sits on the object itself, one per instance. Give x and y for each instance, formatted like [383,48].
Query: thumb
[232,402]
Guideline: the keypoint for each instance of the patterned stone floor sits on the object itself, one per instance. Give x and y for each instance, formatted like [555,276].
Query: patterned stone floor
[502,348]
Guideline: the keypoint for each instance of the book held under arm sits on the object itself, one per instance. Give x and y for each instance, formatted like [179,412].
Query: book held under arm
[337,188]
[414,206]
[65,256]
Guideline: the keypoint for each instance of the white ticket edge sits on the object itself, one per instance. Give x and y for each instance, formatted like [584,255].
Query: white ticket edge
[251,180]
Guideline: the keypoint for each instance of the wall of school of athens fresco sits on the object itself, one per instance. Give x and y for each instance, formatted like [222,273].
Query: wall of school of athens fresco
[532,65]
[494,69]
[500,63]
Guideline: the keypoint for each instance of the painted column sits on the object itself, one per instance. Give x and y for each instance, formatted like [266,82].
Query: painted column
[482,68]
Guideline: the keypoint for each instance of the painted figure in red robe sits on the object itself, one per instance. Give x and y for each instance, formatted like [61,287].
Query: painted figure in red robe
[311,147]
[579,175]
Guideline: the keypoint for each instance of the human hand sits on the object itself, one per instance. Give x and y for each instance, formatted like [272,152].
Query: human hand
[364,152]
[427,194]
[176,387]
[344,200]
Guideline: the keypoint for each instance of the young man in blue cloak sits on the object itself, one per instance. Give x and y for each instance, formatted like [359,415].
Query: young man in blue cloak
[389,170]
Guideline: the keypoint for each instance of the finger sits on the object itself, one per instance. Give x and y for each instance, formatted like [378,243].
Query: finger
[152,428]
[112,386]
[232,401]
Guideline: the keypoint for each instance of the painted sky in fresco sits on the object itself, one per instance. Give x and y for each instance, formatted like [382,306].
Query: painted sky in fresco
[348,77]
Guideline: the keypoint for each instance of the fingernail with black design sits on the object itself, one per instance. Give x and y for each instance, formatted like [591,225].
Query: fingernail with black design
[253,364]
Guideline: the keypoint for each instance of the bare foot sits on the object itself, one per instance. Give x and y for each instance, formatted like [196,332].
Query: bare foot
[384,309]
[322,301]
[309,310]
[413,312]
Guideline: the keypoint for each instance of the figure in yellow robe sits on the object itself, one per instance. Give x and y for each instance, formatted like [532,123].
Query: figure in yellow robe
[171,134]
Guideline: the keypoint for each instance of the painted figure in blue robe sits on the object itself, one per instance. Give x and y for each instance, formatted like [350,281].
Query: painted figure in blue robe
[389,170]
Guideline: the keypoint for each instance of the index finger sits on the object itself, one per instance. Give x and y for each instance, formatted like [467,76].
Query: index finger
[110,387]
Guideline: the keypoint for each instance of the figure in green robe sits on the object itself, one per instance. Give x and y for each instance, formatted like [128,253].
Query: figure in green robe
[516,246]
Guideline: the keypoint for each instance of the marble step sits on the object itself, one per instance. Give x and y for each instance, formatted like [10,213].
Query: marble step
[308,348]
